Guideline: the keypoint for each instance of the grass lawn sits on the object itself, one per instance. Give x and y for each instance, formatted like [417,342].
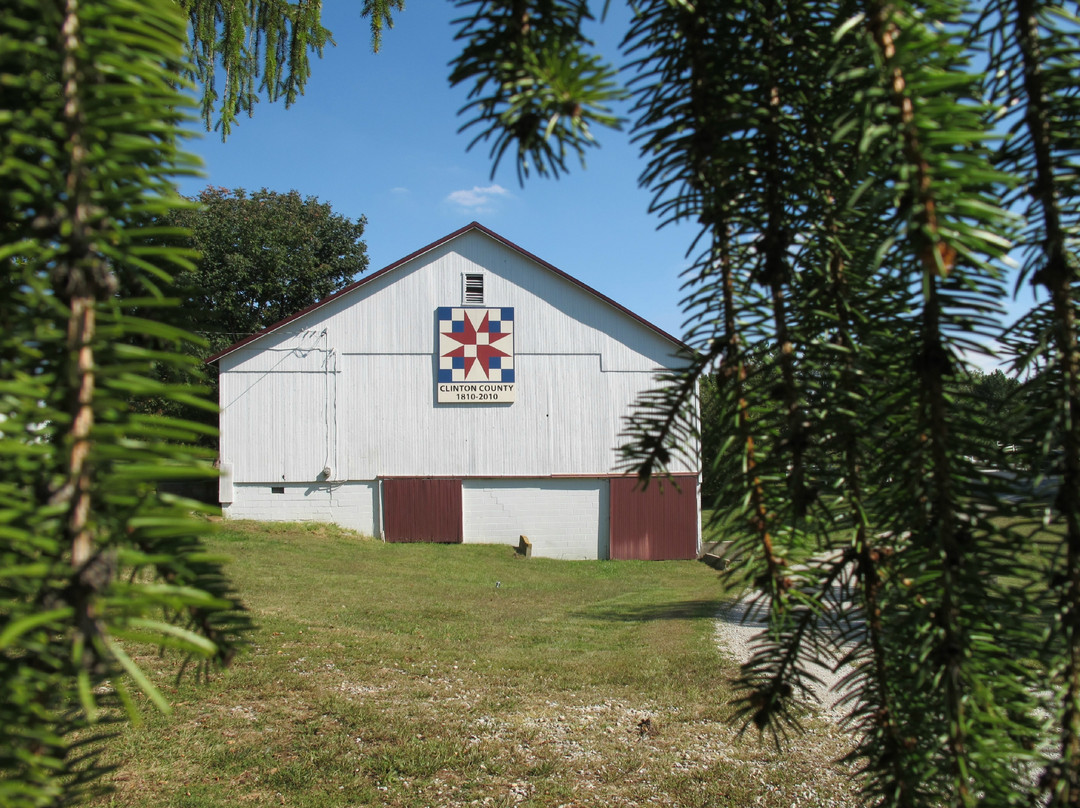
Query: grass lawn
[433,675]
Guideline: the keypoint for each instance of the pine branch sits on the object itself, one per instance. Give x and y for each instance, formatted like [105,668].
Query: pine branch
[89,154]
[1058,275]
[81,279]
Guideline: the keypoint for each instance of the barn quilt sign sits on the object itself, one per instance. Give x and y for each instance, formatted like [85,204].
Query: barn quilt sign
[476,355]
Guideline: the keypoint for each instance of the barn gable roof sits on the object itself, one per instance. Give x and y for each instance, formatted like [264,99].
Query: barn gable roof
[472,226]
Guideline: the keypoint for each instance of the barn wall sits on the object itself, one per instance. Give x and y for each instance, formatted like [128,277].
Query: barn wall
[352,505]
[565,421]
[661,522]
[281,425]
[421,509]
[376,415]
[351,386]
[553,315]
[562,518]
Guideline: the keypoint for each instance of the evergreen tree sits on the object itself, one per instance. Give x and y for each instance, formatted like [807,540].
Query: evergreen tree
[261,48]
[90,552]
[855,169]
[860,172]
[92,557]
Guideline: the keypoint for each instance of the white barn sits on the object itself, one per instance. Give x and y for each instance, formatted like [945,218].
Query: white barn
[469,392]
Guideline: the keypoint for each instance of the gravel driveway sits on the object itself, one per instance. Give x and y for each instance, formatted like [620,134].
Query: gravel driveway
[737,629]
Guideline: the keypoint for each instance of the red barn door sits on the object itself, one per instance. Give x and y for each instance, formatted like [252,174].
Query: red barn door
[657,524]
[421,509]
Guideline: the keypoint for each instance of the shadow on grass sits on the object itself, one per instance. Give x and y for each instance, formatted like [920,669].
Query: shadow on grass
[684,610]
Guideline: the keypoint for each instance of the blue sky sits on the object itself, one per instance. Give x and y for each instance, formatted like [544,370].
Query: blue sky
[376,135]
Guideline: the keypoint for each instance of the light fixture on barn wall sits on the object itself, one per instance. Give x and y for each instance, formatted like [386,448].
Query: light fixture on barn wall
[326,473]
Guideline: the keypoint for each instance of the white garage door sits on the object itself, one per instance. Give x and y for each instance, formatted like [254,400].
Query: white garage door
[563,518]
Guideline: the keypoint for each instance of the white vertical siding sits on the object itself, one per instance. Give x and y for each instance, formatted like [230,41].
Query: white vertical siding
[351,385]
[395,313]
[562,518]
[351,505]
[377,416]
[281,425]
[566,420]
[225,484]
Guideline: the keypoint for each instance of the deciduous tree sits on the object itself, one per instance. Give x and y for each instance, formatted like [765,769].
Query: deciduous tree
[261,257]
[257,259]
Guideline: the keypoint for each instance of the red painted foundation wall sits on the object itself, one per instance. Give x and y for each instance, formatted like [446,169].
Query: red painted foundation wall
[659,523]
[422,509]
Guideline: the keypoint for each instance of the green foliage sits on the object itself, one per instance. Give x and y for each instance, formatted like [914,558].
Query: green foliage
[257,259]
[92,558]
[860,173]
[535,84]
[261,48]
[995,402]
[261,257]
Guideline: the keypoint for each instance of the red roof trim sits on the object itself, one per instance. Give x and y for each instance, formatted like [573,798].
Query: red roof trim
[434,245]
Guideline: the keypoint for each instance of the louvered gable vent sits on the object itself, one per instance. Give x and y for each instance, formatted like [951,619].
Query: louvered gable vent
[474,289]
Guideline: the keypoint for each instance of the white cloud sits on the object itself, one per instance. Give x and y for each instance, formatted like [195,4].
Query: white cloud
[399,191]
[477,199]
